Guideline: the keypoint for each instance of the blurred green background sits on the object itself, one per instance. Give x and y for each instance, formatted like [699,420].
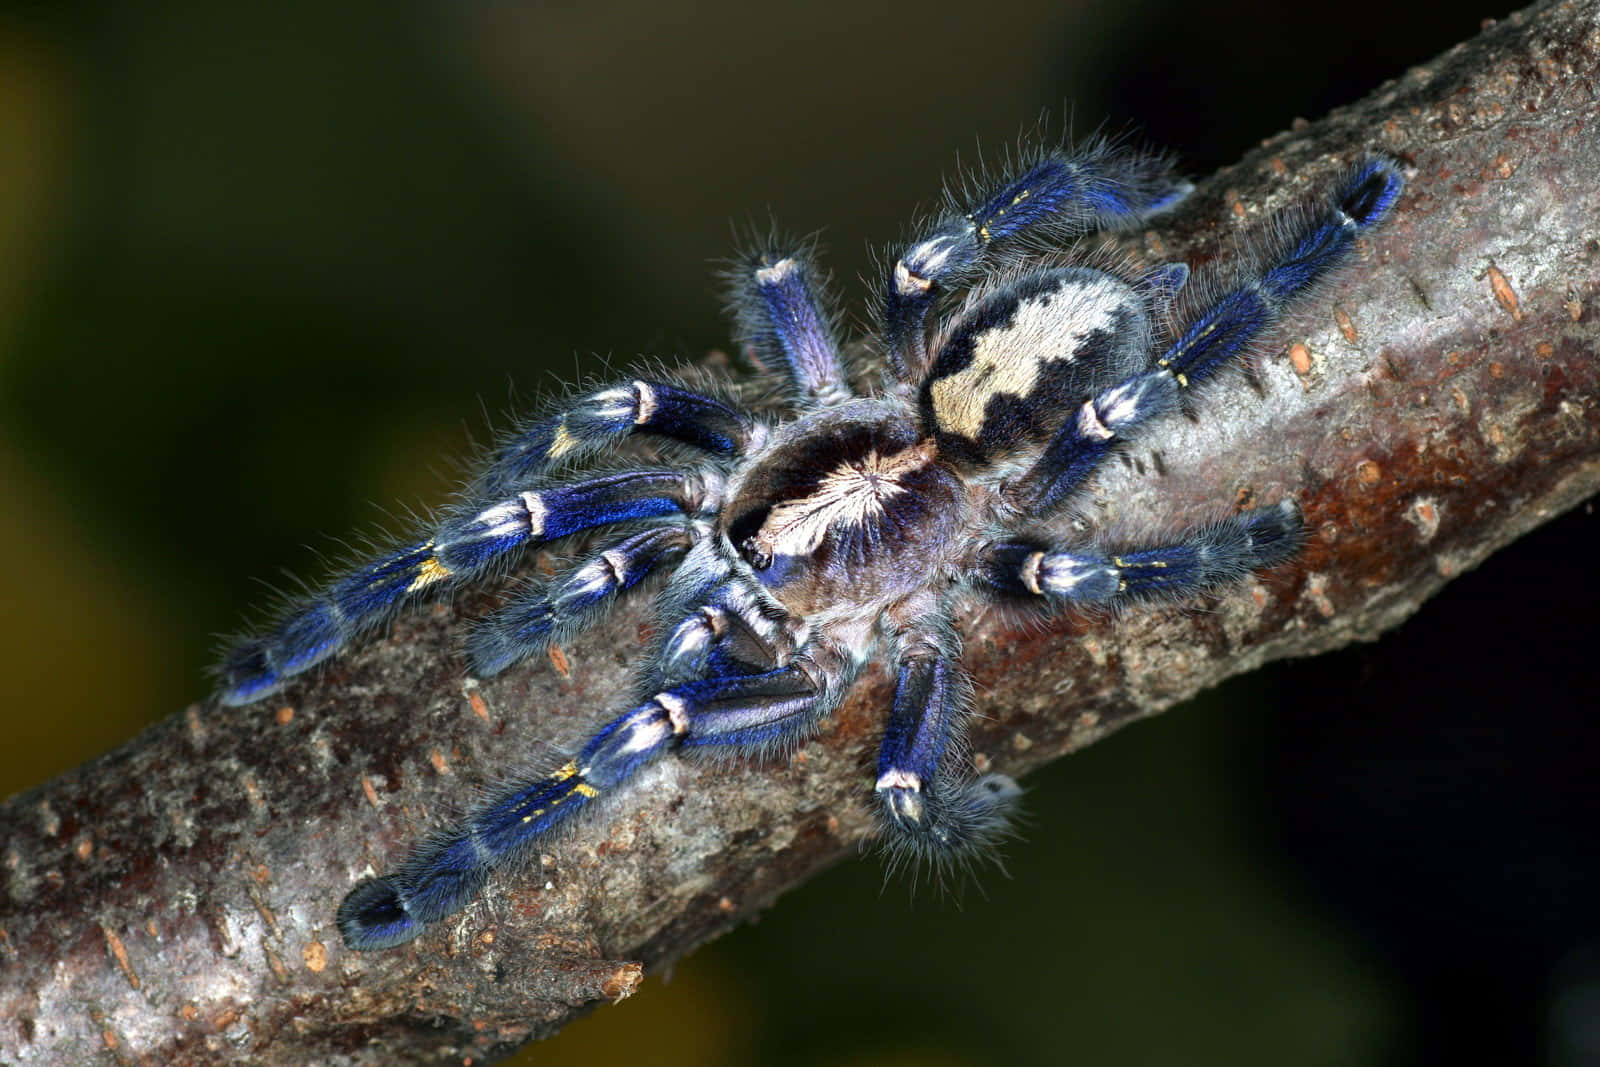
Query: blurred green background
[267,271]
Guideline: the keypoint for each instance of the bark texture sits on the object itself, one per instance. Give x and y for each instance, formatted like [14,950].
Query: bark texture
[172,902]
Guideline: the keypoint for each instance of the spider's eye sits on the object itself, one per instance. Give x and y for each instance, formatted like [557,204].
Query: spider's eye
[742,532]
[754,554]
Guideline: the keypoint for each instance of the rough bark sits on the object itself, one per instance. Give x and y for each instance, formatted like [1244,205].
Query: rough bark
[172,902]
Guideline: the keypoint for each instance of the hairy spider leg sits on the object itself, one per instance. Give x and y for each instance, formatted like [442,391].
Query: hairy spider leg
[465,546]
[726,625]
[1097,428]
[760,712]
[1095,187]
[1161,285]
[605,417]
[929,812]
[782,316]
[445,873]
[555,612]
[1303,251]
[1205,557]
[720,637]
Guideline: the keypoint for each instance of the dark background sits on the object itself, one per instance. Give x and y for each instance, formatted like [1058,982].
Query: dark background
[267,271]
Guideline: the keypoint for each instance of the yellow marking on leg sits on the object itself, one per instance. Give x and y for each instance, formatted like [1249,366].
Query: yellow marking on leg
[582,789]
[562,443]
[983,231]
[1166,365]
[430,572]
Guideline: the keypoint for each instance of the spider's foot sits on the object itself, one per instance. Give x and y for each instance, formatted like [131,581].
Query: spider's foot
[939,829]
[374,916]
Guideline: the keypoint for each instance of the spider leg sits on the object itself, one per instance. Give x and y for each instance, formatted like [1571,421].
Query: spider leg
[606,416]
[931,810]
[465,546]
[1306,248]
[554,613]
[442,875]
[1304,251]
[1068,193]
[718,638]
[1210,556]
[726,625]
[783,318]
[1092,433]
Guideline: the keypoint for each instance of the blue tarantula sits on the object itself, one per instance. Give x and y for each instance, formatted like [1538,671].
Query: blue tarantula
[798,545]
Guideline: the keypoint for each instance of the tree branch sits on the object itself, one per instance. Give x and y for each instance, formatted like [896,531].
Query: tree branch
[173,901]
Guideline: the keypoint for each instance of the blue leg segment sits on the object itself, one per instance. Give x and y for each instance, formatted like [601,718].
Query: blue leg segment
[256,666]
[1204,558]
[608,415]
[723,630]
[928,812]
[550,615]
[782,317]
[469,543]
[1304,252]
[1089,436]
[465,546]
[441,876]
[764,712]
[1066,194]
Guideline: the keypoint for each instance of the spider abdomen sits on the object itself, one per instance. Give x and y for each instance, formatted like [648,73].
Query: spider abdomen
[1015,362]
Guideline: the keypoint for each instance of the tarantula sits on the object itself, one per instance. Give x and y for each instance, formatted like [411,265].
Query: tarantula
[797,547]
